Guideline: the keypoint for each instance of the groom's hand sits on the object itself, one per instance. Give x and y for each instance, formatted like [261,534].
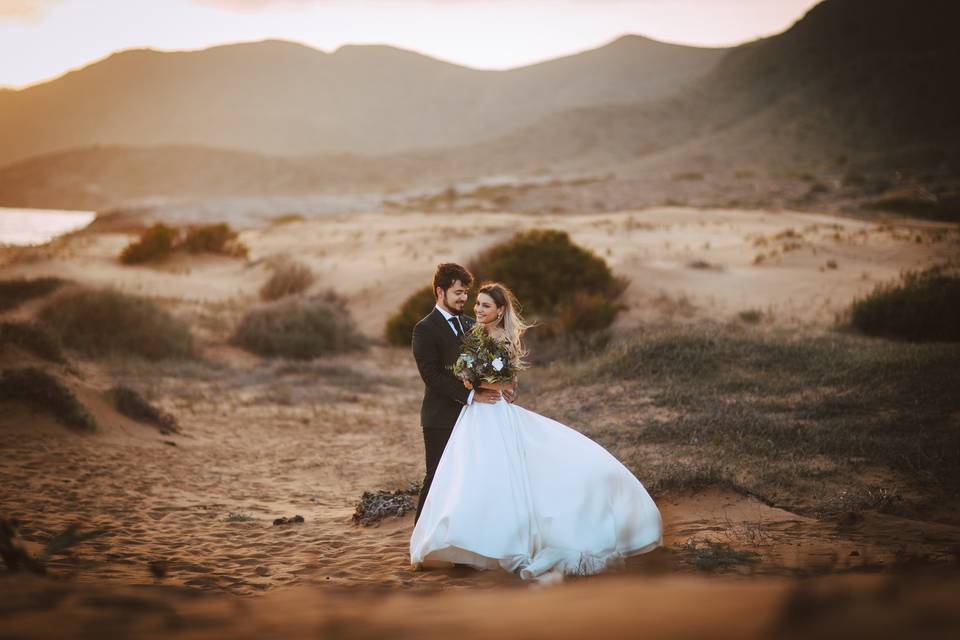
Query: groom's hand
[488,396]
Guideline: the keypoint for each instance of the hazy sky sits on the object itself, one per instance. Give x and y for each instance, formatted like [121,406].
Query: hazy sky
[43,38]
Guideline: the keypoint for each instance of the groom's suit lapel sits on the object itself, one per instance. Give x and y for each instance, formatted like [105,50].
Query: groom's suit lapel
[444,330]
[450,341]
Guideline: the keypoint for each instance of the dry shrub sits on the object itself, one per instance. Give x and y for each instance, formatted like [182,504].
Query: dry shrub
[214,238]
[130,403]
[286,218]
[289,277]
[42,391]
[375,506]
[102,322]
[31,337]
[300,328]
[155,244]
[923,307]
[14,292]
[919,207]
[160,241]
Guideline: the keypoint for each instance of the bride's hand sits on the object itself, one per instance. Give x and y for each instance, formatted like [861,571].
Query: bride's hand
[488,396]
[510,393]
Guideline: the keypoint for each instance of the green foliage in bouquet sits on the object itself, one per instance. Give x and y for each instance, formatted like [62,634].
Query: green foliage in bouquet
[484,358]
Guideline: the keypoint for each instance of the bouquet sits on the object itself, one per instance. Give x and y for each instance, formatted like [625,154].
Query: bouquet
[484,359]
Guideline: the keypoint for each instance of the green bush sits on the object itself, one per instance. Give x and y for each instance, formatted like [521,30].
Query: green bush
[42,391]
[923,307]
[571,291]
[300,328]
[105,322]
[154,245]
[33,338]
[14,292]
[587,312]
[566,286]
[399,329]
[289,277]
[214,238]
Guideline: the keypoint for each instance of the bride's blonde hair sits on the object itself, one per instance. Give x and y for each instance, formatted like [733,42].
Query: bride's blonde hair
[512,323]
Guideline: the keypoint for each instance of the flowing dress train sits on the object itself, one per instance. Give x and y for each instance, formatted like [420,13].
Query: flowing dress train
[519,491]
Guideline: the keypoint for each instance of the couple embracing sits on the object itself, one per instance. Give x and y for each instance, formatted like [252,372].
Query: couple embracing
[506,488]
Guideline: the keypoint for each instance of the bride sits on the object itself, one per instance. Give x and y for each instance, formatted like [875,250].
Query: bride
[517,491]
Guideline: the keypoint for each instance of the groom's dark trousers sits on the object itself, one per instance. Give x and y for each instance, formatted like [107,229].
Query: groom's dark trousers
[436,347]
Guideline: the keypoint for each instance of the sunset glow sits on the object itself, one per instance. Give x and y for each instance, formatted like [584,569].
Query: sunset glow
[40,39]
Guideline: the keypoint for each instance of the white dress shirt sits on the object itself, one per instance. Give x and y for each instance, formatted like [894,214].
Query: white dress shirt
[446,316]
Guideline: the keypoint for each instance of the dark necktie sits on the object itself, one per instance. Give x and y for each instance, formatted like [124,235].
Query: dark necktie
[457,327]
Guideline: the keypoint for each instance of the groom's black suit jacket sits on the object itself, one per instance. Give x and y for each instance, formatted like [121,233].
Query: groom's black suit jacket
[435,347]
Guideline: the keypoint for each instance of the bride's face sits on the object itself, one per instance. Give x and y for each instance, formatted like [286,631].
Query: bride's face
[486,310]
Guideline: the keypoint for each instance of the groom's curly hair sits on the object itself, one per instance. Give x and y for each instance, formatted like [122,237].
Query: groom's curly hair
[449,272]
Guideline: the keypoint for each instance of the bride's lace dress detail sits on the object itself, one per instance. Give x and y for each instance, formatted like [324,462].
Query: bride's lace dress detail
[519,491]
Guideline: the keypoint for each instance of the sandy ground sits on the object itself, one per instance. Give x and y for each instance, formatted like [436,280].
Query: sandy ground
[265,440]
[796,268]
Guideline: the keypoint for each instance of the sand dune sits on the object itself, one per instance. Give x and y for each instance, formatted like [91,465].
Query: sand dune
[260,440]
[614,608]
[682,262]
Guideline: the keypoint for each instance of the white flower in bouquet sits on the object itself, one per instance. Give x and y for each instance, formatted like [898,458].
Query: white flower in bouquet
[497,364]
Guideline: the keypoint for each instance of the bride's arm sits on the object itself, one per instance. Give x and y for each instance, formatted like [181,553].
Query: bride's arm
[508,389]
[499,386]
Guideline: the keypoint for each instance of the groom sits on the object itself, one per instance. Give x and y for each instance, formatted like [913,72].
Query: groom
[436,345]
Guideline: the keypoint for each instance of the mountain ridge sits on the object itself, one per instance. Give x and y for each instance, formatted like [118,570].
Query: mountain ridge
[282,97]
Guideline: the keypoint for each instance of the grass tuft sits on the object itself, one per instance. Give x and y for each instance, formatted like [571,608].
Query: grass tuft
[15,292]
[239,517]
[106,322]
[770,415]
[708,555]
[289,277]
[130,403]
[923,307]
[300,328]
[32,337]
[42,391]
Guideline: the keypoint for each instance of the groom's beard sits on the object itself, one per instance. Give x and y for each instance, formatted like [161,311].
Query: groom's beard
[452,308]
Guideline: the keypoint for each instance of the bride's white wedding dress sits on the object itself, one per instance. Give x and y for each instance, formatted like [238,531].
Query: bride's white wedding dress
[519,491]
